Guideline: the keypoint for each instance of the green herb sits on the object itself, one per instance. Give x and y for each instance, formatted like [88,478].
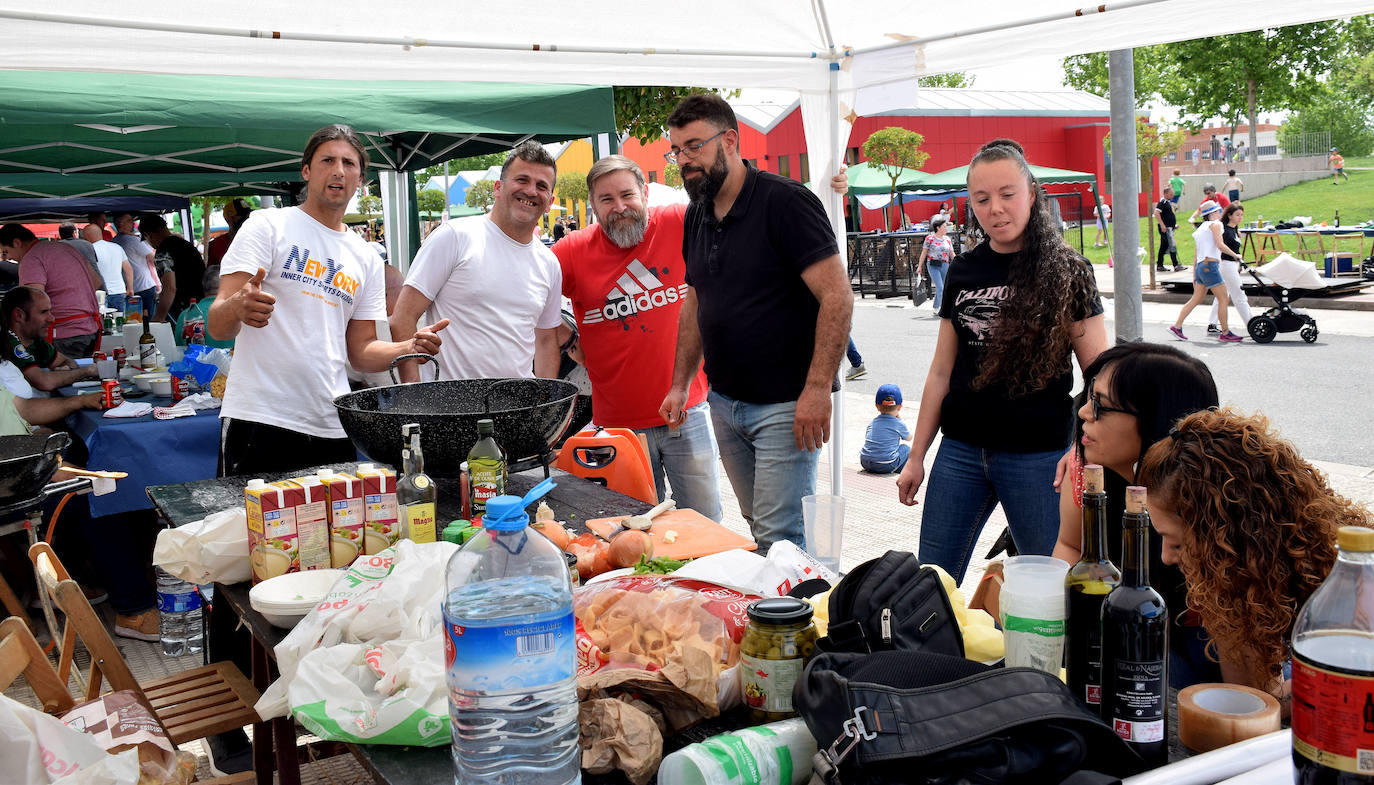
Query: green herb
[661,565]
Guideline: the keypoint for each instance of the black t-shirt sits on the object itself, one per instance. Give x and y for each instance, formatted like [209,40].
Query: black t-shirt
[1231,236]
[990,417]
[1166,213]
[757,316]
[182,258]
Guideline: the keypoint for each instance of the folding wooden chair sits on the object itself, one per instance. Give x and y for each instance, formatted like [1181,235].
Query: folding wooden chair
[1352,258]
[1267,246]
[1309,247]
[191,705]
[20,655]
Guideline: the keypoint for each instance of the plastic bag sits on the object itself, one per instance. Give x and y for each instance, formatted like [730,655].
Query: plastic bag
[208,550]
[779,573]
[193,365]
[367,664]
[38,749]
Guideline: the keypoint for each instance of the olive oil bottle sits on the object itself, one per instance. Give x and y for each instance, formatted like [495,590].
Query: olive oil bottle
[1087,584]
[486,468]
[416,494]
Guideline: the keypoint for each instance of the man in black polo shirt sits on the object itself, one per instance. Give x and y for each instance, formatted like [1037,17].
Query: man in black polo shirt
[1166,222]
[767,306]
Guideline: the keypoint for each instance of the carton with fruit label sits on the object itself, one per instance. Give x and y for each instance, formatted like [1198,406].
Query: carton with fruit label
[312,525]
[272,544]
[345,516]
[381,527]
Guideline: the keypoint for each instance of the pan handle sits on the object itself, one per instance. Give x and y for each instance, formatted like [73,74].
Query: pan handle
[56,443]
[417,356]
[486,398]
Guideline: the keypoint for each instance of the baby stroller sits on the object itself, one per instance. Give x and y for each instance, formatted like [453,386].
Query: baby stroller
[1285,280]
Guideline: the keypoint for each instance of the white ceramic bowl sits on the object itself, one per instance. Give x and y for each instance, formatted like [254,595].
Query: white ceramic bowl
[286,599]
[162,386]
[145,381]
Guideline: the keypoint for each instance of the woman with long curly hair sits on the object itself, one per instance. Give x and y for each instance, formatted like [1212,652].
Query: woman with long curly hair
[1015,309]
[1253,526]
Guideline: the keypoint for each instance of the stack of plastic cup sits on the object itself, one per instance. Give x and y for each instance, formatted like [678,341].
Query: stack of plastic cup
[1034,611]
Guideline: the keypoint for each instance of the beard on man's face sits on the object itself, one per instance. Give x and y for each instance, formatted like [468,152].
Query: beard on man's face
[704,187]
[625,228]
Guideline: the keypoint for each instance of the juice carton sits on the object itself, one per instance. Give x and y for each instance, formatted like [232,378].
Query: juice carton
[345,516]
[381,528]
[312,525]
[272,544]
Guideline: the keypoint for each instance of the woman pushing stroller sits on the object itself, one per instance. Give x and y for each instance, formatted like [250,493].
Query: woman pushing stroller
[1211,248]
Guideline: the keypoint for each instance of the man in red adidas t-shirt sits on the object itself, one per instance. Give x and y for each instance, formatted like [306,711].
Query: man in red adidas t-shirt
[625,277]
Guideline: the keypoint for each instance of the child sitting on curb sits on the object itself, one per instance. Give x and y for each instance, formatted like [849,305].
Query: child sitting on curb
[883,451]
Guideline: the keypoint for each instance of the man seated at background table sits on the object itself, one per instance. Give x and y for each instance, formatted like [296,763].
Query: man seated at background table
[309,292]
[26,314]
[63,273]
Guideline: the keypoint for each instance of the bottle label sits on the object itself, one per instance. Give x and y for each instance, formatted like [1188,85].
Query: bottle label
[419,520]
[488,481]
[176,603]
[507,656]
[767,684]
[1138,702]
[1085,645]
[1333,717]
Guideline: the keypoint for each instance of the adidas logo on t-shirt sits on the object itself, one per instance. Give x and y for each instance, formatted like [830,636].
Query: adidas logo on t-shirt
[636,290]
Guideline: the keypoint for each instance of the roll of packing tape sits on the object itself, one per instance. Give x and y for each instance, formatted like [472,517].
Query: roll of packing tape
[1215,715]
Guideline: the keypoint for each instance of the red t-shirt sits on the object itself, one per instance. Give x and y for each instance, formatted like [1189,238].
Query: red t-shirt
[626,302]
[1220,198]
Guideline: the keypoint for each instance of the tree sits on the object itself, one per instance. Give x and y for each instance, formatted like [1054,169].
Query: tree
[895,150]
[370,205]
[432,201]
[672,176]
[1089,72]
[1347,120]
[955,79]
[1150,143]
[481,194]
[571,187]
[642,112]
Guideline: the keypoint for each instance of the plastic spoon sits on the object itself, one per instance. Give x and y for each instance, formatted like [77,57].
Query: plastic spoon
[642,522]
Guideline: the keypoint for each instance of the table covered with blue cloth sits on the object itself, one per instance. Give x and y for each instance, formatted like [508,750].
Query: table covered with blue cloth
[151,451]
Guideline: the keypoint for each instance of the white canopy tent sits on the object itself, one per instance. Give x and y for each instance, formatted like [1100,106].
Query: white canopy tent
[849,58]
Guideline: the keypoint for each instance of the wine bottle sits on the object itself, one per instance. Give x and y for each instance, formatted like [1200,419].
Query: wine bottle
[486,468]
[416,493]
[147,347]
[1333,667]
[1135,644]
[1087,585]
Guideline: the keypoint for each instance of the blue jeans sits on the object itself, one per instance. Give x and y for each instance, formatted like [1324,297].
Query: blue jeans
[769,474]
[852,353]
[967,482]
[890,467]
[688,455]
[149,301]
[115,301]
[937,281]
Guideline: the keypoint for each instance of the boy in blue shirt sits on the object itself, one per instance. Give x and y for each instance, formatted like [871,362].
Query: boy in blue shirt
[883,451]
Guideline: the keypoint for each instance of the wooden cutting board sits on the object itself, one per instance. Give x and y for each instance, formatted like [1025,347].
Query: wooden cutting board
[697,535]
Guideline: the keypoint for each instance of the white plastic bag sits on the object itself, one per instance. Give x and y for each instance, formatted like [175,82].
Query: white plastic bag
[39,749]
[208,550]
[784,568]
[367,664]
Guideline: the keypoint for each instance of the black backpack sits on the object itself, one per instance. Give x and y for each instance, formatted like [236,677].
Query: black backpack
[931,719]
[892,602]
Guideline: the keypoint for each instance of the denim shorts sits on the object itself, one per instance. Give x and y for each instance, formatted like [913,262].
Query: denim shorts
[1207,273]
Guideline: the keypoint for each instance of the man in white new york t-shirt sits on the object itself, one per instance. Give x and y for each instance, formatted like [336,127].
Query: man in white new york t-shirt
[309,292]
[498,286]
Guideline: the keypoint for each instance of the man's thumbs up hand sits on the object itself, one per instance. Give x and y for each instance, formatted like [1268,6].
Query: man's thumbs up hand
[255,305]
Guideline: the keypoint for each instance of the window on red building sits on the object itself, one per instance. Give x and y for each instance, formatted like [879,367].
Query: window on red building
[804,165]
[784,165]
[653,176]
[851,156]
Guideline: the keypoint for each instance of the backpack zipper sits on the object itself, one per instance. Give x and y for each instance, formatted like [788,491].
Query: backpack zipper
[887,626]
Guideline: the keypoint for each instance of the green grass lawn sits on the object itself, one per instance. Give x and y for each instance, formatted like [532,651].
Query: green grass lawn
[1317,198]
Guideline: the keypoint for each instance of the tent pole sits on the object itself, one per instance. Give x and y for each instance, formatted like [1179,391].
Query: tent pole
[837,225]
[1125,237]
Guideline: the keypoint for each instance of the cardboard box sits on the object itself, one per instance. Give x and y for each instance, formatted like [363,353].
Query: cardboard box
[345,517]
[381,527]
[272,544]
[312,525]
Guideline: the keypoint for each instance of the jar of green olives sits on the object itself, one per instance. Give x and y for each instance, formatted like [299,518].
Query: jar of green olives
[778,641]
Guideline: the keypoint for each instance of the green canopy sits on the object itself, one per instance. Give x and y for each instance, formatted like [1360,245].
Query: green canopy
[193,135]
[868,177]
[956,179]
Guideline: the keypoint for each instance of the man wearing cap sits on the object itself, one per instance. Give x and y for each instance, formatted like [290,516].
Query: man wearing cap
[1337,163]
[140,256]
[179,264]
[768,307]
[235,213]
[884,451]
[625,278]
[59,271]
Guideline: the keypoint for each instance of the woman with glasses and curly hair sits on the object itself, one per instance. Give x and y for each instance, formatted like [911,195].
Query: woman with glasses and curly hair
[1015,309]
[1132,396]
[1253,527]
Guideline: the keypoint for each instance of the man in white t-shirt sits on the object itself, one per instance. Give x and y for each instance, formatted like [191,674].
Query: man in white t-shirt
[145,282]
[496,283]
[309,290]
[112,264]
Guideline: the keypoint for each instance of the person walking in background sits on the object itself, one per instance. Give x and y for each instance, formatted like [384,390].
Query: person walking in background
[999,382]
[856,362]
[1103,213]
[113,266]
[883,451]
[936,253]
[1233,186]
[1176,183]
[1231,219]
[1337,163]
[1166,221]
[1207,272]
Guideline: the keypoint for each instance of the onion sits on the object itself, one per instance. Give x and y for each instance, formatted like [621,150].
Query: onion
[555,532]
[628,546]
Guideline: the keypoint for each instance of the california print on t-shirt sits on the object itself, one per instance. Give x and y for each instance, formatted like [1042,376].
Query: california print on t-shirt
[977,309]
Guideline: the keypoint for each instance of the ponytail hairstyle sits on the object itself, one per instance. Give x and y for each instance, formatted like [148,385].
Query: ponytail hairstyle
[1052,287]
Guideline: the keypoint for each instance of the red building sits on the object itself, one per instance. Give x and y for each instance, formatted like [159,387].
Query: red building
[1060,129]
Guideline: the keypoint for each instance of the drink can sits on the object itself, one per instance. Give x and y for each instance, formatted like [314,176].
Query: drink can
[100,356]
[180,388]
[121,356]
[110,396]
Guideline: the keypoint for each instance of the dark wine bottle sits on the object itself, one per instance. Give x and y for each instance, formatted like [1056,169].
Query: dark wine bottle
[1088,583]
[1135,645]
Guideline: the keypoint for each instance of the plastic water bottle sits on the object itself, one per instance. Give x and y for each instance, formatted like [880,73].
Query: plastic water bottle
[179,620]
[775,754]
[510,654]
